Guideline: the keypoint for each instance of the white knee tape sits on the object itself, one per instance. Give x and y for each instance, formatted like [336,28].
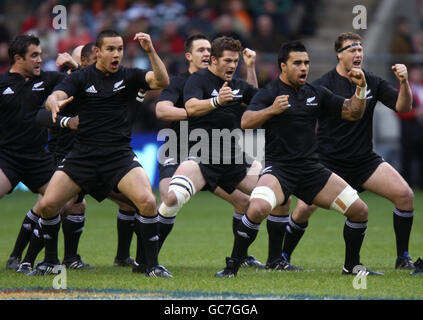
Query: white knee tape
[344,200]
[264,193]
[168,212]
[183,188]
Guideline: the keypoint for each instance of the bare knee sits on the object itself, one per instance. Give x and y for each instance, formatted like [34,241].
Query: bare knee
[404,200]
[358,211]
[241,205]
[146,204]
[48,207]
[258,210]
[171,200]
[303,212]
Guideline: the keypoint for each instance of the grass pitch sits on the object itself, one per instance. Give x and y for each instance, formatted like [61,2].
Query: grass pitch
[196,249]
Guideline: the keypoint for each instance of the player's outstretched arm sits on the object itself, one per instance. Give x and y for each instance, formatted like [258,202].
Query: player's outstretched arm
[405,96]
[353,108]
[255,119]
[166,111]
[196,107]
[45,119]
[158,78]
[55,101]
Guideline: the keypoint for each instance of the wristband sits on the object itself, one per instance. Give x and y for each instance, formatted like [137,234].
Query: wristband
[362,92]
[141,96]
[215,102]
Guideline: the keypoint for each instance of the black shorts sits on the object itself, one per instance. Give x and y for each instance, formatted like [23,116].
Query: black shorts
[98,170]
[354,172]
[167,169]
[304,179]
[32,169]
[225,176]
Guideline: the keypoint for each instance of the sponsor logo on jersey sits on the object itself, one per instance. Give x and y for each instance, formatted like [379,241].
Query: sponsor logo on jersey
[8,91]
[36,86]
[235,93]
[310,101]
[91,89]
[117,86]
[267,169]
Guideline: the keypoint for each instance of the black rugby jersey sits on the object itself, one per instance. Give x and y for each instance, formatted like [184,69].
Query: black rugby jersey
[342,139]
[205,85]
[61,139]
[175,93]
[103,115]
[20,102]
[290,136]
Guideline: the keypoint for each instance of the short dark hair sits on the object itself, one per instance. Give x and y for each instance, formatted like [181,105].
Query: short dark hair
[344,37]
[288,47]
[20,45]
[190,40]
[104,34]
[221,44]
[87,50]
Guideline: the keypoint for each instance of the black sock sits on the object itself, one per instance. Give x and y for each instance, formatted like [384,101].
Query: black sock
[125,230]
[276,231]
[353,236]
[36,244]
[245,235]
[72,227]
[403,221]
[25,232]
[293,235]
[236,218]
[50,233]
[147,229]
[165,226]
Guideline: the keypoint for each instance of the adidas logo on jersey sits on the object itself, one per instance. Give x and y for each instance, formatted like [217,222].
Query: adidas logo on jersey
[214,93]
[36,86]
[117,86]
[8,91]
[91,89]
[369,94]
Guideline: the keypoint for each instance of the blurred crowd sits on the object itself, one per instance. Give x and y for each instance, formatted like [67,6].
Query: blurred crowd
[260,24]
[404,42]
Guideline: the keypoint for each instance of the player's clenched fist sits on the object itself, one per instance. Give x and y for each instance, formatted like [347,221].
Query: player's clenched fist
[357,76]
[400,71]
[249,57]
[280,104]
[225,94]
[144,40]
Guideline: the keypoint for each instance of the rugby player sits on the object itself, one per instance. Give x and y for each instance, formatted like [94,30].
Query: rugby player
[102,159]
[346,147]
[287,108]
